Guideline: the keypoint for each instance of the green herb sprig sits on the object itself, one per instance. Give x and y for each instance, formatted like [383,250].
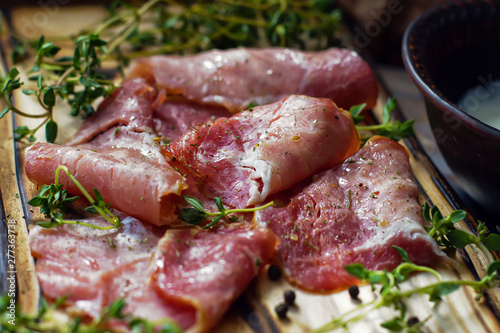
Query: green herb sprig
[198,214]
[157,27]
[53,202]
[9,84]
[46,321]
[443,230]
[391,129]
[390,295]
[72,78]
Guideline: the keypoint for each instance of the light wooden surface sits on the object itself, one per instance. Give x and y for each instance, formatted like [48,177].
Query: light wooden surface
[254,311]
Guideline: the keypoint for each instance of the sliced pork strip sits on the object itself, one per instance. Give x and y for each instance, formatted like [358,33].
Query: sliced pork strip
[353,212]
[145,143]
[93,268]
[131,282]
[235,78]
[72,259]
[130,105]
[173,118]
[209,269]
[130,181]
[191,276]
[267,149]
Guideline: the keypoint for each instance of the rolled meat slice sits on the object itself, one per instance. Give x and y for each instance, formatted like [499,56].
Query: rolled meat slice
[267,149]
[133,181]
[238,77]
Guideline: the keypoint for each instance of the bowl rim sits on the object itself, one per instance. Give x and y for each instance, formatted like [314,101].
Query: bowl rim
[432,94]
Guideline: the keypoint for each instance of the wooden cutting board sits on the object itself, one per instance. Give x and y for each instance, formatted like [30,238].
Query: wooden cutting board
[254,310]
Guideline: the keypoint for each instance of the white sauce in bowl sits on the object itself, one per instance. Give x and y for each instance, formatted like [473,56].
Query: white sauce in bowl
[483,102]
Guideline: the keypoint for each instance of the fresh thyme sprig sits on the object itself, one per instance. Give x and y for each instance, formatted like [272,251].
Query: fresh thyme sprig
[53,201]
[158,27]
[391,129]
[198,214]
[75,79]
[9,84]
[392,296]
[442,229]
[45,320]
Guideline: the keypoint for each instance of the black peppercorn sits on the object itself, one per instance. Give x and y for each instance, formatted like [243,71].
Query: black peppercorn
[354,292]
[281,310]
[289,296]
[413,321]
[274,273]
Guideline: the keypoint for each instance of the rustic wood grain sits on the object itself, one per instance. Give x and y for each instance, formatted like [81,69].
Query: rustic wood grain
[254,311]
[27,283]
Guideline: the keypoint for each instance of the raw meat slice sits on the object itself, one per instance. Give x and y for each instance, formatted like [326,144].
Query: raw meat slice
[137,107]
[173,118]
[139,184]
[191,276]
[235,78]
[209,269]
[145,143]
[131,282]
[267,149]
[71,259]
[353,212]
[131,105]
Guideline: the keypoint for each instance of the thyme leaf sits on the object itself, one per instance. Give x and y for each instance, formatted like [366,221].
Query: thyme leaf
[355,112]
[192,216]
[53,202]
[198,214]
[197,204]
[391,129]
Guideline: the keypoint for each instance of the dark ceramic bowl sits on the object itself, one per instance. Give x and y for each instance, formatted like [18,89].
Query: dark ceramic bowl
[447,51]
